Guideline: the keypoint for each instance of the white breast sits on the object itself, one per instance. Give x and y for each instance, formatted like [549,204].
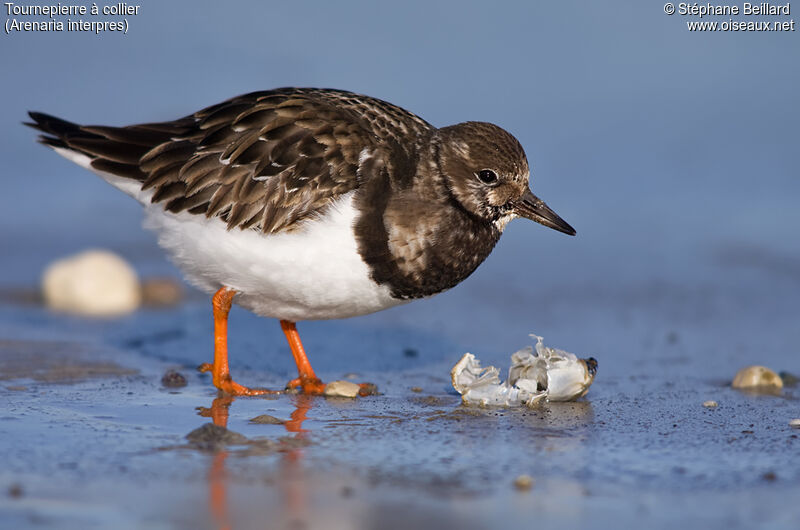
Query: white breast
[310,274]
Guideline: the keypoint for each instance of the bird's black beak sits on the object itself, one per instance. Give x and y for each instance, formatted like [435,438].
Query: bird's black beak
[532,207]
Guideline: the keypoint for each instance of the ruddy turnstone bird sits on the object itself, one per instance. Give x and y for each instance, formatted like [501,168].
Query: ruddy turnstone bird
[307,204]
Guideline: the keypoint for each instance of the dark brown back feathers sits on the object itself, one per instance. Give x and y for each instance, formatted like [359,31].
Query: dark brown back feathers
[264,160]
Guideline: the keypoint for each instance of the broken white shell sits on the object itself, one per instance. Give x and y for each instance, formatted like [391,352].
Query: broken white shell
[551,374]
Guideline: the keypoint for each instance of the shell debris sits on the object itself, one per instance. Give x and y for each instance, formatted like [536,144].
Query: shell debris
[546,374]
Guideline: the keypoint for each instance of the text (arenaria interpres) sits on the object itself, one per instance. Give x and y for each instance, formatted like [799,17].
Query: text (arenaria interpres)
[51,17]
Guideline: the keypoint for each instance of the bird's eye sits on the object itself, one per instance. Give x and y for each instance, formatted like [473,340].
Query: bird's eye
[487,176]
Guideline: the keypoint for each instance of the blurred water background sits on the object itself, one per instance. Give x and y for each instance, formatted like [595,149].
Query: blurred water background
[673,153]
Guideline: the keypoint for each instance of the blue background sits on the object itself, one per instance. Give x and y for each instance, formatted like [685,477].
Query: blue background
[674,154]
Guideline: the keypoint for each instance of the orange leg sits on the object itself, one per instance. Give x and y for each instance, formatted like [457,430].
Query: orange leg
[220,372]
[306,379]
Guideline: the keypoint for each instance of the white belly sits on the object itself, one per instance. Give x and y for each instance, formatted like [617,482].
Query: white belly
[313,273]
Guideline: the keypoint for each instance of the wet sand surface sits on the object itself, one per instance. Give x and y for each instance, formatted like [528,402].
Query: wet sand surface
[92,439]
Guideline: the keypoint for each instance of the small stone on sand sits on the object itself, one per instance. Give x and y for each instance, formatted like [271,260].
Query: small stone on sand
[173,379]
[795,423]
[757,377]
[523,482]
[710,404]
[266,419]
[342,389]
[212,437]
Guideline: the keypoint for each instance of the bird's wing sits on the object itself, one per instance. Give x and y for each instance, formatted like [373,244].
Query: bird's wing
[265,161]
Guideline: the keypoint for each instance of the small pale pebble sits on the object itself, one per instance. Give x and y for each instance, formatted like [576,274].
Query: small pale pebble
[523,482]
[795,423]
[341,389]
[755,377]
[710,404]
[94,283]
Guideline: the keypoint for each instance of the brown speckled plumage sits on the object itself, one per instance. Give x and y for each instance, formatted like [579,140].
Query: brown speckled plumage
[268,161]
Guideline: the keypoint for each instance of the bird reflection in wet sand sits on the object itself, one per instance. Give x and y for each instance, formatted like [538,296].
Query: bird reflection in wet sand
[292,479]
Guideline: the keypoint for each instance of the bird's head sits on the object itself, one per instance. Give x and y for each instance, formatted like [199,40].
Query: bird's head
[487,172]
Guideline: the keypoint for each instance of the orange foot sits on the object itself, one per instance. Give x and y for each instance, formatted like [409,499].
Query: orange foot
[220,372]
[226,384]
[306,380]
[309,386]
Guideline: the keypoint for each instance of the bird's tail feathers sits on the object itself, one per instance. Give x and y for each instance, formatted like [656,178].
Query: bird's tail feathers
[114,153]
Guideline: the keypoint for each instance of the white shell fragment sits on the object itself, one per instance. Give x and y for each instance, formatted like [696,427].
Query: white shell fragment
[95,283]
[341,389]
[549,374]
